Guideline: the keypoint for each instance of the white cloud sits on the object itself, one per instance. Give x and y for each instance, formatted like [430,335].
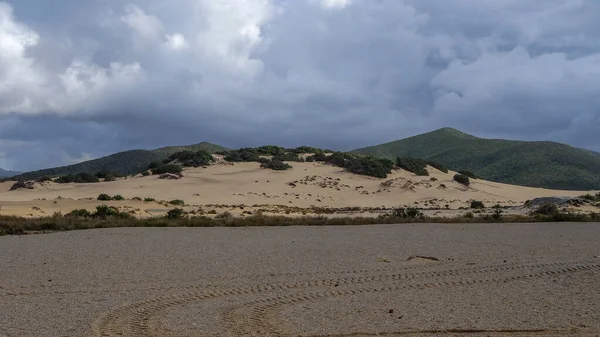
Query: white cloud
[335,3]
[146,26]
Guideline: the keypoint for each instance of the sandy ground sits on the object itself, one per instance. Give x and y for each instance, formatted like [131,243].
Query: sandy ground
[485,280]
[306,185]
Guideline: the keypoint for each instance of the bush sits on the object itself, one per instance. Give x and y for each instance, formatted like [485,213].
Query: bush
[589,197]
[103,211]
[462,179]
[191,158]
[270,150]
[276,165]
[468,174]
[153,165]
[243,155]
[110,177]
[44,179]
[104,197]
[318,156]
[370,166]
[82,213]
[476,204]
[469,215]
[118,197]
[177,202]
[79,178]
[497,214]
[547,208]
[149,199]
[437,166]
[287,157]
[175,213]
[414,165]
[167,168]
[145,173]
[410,213]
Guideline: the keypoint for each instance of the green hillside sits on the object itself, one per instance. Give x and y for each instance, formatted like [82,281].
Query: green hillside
[127,162]
[536,164]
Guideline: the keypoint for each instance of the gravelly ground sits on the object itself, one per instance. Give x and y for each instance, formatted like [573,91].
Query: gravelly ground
[490,280]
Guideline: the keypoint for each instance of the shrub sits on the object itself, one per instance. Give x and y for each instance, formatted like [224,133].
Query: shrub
[79,178]
[318,156]
[276,165]
[118,197]
[167,168]
[437,166]
[44,179]
[149,199]
[175,213]
[468,174]
[177,202]
[370,166]
[476,204]
[410,212]
[547,208]
[497,214]
[145,173]
[191,158]
[243,155]
[104,197]
[416,166]
[110,177]
[590,197]
[469,215]
[153,165]
[462,179]
[270,150]
[82,213]
[103,211]
[287,157]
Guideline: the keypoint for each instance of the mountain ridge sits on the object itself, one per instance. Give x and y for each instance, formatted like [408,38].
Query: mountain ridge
[527,163]
[6,173]
[126,162]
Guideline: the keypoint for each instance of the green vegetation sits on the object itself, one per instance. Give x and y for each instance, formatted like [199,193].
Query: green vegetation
[468,174]
[592,198]
[128,162]
[110,217]
[276,165]
[536,164]
[149,199]
[79,178]
[145,173]
[288,156]
[177,202]
[476,204]
[549,212]
[364,165]
[437,166]
[167,168]
[462,179]
[106,197]
[190,158]
[414,165]
[243,155]
[175,213]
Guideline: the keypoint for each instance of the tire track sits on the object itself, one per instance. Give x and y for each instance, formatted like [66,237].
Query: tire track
[133,319]
[260,309]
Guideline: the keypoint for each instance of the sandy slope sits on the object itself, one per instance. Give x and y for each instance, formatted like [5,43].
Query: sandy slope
[246,183]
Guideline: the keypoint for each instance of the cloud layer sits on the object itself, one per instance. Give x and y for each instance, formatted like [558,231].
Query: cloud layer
[85,79]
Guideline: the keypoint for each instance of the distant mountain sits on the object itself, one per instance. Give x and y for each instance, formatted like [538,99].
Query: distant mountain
[127,162]
[535,164]
[5,173]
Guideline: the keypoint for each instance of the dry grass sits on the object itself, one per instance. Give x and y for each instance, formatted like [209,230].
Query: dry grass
[10,225]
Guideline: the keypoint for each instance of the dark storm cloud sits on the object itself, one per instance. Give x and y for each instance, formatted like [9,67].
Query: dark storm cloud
[85,79]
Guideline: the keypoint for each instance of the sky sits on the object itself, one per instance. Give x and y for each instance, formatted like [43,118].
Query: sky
[84,79]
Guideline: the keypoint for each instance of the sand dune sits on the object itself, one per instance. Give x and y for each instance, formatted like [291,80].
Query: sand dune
[306,185]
